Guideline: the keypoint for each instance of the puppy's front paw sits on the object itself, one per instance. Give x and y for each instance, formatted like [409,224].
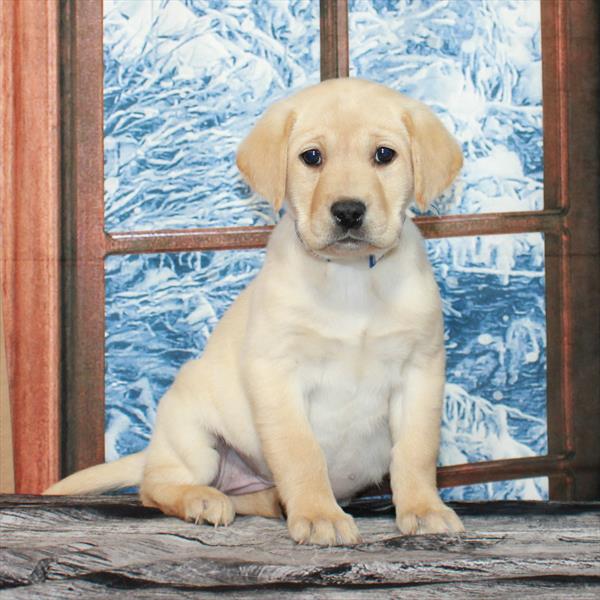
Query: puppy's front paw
[436,518]
[325,528]
[203,503]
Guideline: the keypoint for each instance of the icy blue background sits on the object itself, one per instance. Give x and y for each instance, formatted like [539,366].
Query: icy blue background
[477,63]
[185,80]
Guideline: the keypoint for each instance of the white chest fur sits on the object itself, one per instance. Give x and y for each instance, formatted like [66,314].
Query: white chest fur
[348,412]
[350,364]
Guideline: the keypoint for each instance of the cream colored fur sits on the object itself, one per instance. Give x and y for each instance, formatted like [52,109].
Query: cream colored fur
[325,372]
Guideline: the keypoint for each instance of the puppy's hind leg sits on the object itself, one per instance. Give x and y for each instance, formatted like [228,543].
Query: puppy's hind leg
[181,464]
[265,503]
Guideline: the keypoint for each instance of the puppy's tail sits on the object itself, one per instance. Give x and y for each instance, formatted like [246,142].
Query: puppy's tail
[125,472]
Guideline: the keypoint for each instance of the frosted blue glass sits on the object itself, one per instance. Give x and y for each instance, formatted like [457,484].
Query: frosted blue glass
[162,308]
[492,290]
[477,63]
[517,489]
[184,81]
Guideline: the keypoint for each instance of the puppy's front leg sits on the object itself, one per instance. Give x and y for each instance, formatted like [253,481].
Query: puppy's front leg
[415,420]
[296,460]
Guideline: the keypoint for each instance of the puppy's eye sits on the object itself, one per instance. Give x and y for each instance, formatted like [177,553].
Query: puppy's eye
[312,157]
[384,155]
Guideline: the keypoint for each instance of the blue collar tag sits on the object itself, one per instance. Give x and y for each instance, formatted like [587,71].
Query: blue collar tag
[372,261]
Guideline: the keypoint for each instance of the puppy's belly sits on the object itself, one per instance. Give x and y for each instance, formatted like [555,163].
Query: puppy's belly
[352,428]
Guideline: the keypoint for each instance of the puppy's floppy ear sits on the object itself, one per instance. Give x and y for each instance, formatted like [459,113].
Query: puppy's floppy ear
[262,156]
[436,156]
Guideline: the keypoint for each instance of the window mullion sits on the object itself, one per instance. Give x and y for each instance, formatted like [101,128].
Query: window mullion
[335,60]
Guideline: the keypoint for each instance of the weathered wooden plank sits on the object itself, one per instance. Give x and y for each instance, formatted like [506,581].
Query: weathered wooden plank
[53,545]
[501,590]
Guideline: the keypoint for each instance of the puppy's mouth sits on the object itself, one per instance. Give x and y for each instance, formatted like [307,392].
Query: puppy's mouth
[349,241]
[349,245]
[344,245]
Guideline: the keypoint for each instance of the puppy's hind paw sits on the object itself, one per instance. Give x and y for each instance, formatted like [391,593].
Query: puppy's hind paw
[203,503]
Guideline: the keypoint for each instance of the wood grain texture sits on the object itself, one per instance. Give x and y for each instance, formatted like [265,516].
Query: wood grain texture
[581,312]
[83,233]
[335,55]
[64,547]
[7,467]
[559,399]
[29,225]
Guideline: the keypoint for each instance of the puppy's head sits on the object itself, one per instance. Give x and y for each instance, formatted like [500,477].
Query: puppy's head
[348,156]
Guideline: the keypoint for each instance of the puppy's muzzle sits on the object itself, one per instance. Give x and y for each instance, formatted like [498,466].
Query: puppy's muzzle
[348,214]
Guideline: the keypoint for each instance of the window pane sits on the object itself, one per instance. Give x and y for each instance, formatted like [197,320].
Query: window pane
[522,489]
[160,310]
[478,65]
[494,309]
[184,81]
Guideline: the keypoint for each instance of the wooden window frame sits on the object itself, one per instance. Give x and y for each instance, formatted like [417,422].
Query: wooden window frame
[30,199]
[569,221]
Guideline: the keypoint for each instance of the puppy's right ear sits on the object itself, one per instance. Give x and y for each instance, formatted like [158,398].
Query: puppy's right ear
[262,156]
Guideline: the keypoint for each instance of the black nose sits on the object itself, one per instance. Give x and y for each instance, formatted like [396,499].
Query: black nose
[348,214]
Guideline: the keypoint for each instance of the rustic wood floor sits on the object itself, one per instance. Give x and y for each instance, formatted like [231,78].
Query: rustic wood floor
[111,547]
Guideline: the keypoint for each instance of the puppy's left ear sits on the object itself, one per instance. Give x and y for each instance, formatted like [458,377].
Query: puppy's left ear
[262,156]
[436,156]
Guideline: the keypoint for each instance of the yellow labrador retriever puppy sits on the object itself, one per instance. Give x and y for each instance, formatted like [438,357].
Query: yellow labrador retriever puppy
[328,370]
